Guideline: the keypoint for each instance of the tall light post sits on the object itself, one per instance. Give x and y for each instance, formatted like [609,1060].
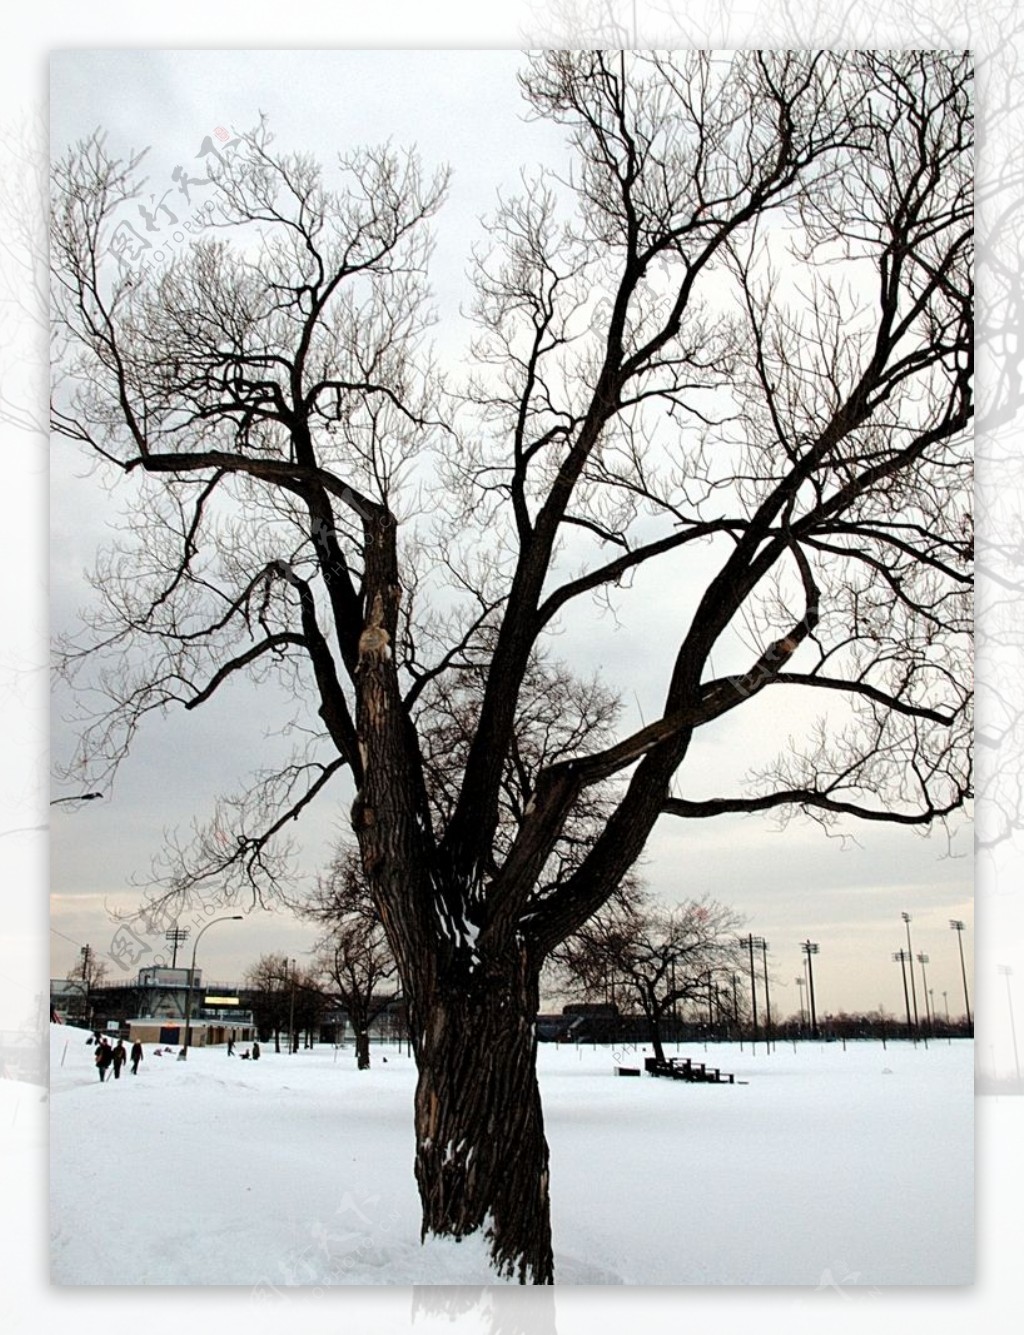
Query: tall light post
[910,957]
[749,942]
[233,917]
[949,1027]
[767,997]
[811,948]
[1007,973]
[902,956]
[86,954]
[801,984]
[176,936]
[922,959]
[958,927]
[291,1014]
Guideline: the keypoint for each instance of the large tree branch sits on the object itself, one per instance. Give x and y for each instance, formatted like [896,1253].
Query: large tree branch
[928,813]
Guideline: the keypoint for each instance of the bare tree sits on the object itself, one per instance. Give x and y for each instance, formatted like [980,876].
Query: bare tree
[354,954]
[653,957]
[270,982]
[735,347]
[91,972]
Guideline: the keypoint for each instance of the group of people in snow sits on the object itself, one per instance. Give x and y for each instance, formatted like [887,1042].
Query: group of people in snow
[109,1058]
[113,1058]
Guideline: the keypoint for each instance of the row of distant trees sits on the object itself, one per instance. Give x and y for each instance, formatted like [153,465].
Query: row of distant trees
[680,969]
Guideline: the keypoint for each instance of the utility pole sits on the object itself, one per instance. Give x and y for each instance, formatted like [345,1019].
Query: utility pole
[958,927]
[910,957]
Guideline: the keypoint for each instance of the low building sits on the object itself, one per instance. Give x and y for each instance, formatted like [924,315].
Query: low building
[152,1008]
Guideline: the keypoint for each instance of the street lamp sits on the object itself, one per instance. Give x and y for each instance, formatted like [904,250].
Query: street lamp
[958,927]
[910,957]
[811,948]
[801,984]
[233,917]
[1007,973]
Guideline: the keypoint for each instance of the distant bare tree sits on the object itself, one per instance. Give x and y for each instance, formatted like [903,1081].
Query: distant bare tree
[89,969]
[354,954]
[653,957]
[270,982]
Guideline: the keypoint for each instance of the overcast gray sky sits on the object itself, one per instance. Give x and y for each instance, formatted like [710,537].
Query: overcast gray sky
[462,108]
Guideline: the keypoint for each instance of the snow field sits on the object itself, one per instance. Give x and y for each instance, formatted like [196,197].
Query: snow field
[830,1169]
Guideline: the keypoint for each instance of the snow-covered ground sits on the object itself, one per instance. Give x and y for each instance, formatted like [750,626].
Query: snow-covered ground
[839,1170]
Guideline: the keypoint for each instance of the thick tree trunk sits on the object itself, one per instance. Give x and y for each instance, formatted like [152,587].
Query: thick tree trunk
[654,1033]
[362,1050]
[481,1156]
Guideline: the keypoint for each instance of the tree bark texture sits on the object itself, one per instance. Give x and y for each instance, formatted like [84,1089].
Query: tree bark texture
[481,1155]
[362,1050]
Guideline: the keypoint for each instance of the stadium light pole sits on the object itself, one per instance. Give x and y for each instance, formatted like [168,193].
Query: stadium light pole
[176,936]
[923,959]
[957,925]
[910,957]
[811,948]
[233,917]
[749,942]
[902,956]
[1007,973]
[801,984]
[767,996]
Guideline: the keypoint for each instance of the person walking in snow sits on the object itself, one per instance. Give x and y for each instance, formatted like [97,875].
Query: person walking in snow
[136,1056]
[255,1052]
[103,1058]
[231,1046]
[118,1058]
